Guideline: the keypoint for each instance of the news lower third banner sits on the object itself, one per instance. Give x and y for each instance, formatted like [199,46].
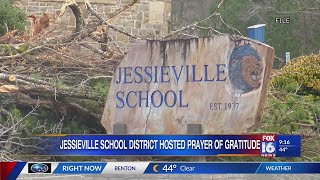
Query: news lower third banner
[267,145]
[11,170]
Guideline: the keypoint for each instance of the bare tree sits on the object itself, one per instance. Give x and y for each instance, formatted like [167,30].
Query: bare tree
[16,140]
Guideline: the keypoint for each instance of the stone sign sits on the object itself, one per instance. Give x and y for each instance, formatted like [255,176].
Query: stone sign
[161,86]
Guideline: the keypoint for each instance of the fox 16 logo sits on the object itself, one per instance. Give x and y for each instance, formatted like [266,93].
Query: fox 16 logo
[39,167]
[268,146]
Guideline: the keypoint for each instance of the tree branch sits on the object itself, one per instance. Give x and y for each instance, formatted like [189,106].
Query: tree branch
[103,21]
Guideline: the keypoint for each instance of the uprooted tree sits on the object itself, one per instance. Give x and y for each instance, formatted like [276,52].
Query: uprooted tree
[46,86]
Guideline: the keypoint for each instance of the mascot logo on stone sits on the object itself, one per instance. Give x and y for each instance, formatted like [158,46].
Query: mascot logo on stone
[245,69]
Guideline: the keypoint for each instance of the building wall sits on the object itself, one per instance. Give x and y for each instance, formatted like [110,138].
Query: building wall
[185,12]
[147,18]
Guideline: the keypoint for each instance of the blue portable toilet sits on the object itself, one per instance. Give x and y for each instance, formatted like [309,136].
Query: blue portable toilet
[257,32]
